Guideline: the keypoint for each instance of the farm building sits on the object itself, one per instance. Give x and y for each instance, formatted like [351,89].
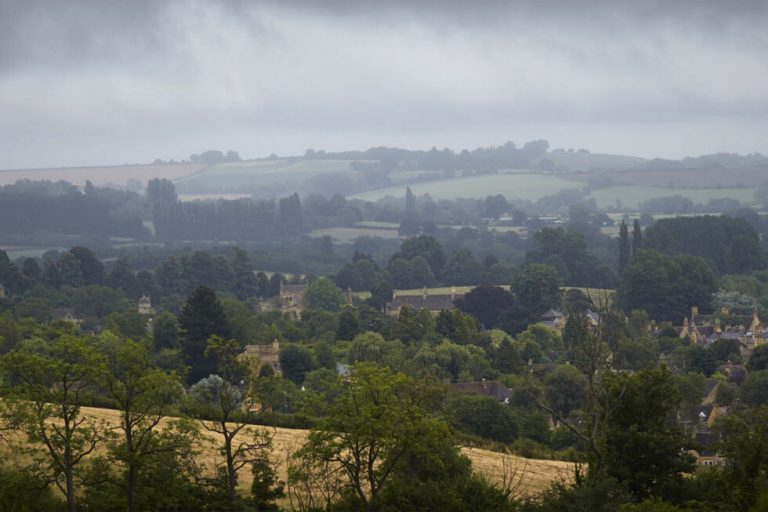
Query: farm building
[434,303]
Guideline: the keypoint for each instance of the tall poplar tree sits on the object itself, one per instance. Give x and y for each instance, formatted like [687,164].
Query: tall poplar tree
[624,248]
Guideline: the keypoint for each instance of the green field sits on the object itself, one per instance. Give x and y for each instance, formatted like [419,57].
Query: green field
[377,225]
[631,197]
[525,185]
[577,161]
[348,235]
[28,252]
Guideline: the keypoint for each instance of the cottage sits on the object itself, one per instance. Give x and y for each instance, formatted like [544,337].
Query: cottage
[491,388]
[67,315]
[434,302]
[266,354]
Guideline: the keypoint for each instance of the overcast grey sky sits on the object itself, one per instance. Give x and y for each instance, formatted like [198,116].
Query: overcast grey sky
[104,82]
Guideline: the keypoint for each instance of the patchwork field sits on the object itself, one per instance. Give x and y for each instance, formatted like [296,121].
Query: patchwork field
[263,174]
[749,177]
[632,196]
[582,161]
[534,475]
[521,185]
[99,176]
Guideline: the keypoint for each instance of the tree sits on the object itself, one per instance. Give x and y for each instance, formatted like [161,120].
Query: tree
[122,278]
[161,192]
[246,283]
[665,286]
[217,398]
[166,331]
[10,277]
[754,390]
[410,200]
[732,245]
[487,304]
[637,236]
[367,431]
[462,269]
[624,248]
[295,362]
[90,267]
[537,288]
[482,416]
[565,389]
[323,294]
[349,324]
[759,359]
[744,446]
[201,318]
[425,246]
[51,384]
[290,214]
[644,446]
[143,395]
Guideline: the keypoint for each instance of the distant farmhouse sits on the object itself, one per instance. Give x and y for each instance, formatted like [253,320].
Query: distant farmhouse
[432,302]
[67,315]
[266,354]
[490,388]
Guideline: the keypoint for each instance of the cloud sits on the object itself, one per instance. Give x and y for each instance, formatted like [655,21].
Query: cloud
[111,81]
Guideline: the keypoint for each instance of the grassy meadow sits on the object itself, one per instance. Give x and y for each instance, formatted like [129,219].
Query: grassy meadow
[524,185]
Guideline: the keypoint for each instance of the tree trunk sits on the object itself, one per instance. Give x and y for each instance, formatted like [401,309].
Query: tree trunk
[231,474]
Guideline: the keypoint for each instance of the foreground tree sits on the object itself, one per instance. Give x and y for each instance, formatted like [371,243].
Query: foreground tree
[379,444]
[221,401]
[645,448]
[49,384]
[143,395]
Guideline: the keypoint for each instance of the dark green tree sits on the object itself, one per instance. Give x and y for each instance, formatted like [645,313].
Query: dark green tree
[637,236]
[537,288]
[295,362]
[644,448]
[624,247]
[166,331]
[201,318]
[349,324]
[323,294]
[245,281]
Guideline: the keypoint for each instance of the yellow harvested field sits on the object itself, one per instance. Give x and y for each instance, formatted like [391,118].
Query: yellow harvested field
[529,476]
[532,475]
[99,176]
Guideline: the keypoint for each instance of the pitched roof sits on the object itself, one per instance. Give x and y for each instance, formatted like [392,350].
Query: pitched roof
[492,388]
[430,302]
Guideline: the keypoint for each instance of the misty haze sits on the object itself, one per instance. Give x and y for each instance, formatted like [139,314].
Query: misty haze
[383,256]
